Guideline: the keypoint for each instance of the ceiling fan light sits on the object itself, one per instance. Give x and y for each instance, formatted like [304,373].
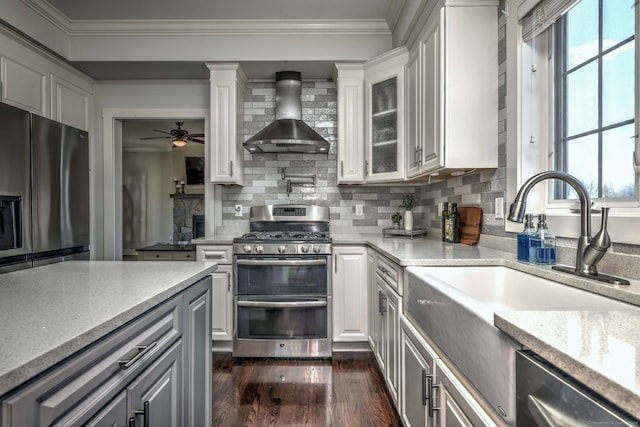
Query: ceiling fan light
[179,142]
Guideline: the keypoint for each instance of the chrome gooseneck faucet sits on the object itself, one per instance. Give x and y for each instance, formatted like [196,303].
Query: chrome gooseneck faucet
[590,251]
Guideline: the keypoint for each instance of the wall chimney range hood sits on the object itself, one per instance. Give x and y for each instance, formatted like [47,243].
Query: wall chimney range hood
[288,133]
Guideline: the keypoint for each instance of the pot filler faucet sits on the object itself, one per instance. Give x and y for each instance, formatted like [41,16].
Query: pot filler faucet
[590,251]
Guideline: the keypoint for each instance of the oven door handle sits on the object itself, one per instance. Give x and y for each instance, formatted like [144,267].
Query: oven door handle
[281,304]
[287,262]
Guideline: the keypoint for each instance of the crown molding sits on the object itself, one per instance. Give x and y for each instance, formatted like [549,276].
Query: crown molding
[394,12]
[163,27]
[208,27]
[49,13]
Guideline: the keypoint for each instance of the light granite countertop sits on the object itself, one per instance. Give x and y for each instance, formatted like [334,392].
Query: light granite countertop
[601,349]
[48,313]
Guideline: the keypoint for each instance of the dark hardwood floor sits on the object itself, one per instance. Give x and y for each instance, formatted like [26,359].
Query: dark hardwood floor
[345,391]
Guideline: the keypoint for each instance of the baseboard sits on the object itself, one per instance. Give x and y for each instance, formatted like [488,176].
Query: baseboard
[351,346]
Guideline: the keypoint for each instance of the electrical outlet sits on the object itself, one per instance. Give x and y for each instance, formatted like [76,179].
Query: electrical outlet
[238,210]
[499,208]
[359,210]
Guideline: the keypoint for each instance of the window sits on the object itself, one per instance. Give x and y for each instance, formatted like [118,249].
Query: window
[576,108]
[594,96]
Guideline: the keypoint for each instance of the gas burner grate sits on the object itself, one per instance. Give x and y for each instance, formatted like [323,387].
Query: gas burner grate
[286,235]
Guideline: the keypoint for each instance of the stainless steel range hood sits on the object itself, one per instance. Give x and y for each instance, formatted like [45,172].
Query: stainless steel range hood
[288,133]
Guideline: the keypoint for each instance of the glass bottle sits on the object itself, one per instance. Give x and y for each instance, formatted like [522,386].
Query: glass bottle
[525,237]
[453,224]
[443,220]
[544,249]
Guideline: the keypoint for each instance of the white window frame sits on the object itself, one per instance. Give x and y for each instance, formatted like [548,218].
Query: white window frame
[525,158]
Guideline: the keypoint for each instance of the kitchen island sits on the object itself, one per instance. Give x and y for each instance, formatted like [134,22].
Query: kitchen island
[52,314]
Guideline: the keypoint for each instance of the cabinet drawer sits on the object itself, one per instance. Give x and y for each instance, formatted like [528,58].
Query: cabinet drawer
[219,254]
[155,256]
[100,371]
[390,272]
[184,256]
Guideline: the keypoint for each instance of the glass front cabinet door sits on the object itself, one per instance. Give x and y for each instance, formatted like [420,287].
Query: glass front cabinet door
[384,116]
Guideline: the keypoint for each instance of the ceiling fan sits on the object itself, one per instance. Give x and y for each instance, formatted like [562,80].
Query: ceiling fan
[179,136]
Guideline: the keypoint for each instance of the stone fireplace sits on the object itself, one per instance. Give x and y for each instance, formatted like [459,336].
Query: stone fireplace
[188,216]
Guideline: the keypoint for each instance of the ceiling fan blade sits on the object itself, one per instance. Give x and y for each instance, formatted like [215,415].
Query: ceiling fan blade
[161,131]
[157,137]
[200,141]
[197,135]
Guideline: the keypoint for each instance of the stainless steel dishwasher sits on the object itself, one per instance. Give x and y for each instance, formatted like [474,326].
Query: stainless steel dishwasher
[546,397]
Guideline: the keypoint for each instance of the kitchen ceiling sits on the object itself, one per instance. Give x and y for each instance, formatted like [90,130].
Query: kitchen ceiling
[93,11]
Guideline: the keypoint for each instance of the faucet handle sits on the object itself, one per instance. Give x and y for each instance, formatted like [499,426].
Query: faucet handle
[602,241]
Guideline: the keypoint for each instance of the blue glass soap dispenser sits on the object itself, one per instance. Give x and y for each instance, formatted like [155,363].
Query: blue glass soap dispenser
[524,238]
[544,249]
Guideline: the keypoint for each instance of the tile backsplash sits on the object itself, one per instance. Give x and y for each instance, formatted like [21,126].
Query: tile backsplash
[263,183]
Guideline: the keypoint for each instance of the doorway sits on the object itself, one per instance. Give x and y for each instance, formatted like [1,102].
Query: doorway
[114,123]
[160,194]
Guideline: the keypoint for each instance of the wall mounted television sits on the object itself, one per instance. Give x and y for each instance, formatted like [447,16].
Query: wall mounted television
[194,170]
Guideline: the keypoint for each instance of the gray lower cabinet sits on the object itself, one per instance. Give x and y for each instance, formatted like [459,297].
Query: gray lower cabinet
[152,371]
[112,414]
[417,361]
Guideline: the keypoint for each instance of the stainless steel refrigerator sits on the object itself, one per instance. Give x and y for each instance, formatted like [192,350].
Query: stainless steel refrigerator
[15,189]
[50,176]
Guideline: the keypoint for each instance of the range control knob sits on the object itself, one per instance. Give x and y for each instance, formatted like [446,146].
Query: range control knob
[282,249]
[317,249]
[304,249]
[258,249]
[247,248]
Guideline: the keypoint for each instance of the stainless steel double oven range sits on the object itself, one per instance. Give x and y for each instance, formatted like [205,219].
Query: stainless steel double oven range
[282,283]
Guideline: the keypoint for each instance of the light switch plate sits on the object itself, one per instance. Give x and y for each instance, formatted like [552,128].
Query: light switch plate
[359,210]
[238,210]
[499,208]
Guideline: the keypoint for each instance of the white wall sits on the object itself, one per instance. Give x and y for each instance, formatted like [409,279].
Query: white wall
[132,99]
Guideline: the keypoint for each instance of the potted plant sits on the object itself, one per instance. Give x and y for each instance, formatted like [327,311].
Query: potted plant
[395,219]
[408,203]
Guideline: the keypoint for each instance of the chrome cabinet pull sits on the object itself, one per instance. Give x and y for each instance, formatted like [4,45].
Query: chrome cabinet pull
[425,397]
[335,263]
[366,168]
[382,303]
[142,350]
[430,387]
[228,281]
[231,168]
[342,168]
[419,155]
[145,415]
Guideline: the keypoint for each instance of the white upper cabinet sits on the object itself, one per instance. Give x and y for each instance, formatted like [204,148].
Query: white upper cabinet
[384,116]
[35,81]
[350,82]
[226,154]
[70,103]
[452,90]
[371,119]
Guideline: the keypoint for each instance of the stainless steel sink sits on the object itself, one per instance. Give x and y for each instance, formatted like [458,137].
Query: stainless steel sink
[455,307]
